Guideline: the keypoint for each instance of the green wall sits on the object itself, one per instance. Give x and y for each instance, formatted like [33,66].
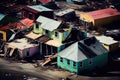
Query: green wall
[97,62]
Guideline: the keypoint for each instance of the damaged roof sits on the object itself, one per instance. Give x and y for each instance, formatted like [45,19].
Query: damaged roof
[43,39]
[79,51]
[21,44]
[23,23]
[62,13]
[47,23]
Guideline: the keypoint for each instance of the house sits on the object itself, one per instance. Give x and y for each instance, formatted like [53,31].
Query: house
[22,48]
[82,56]
[66,15]
[33,12]
[52,28]
[8,32]
[109,43]
[6,19]
[99,17]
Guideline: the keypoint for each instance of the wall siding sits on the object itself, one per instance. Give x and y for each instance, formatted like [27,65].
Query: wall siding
[97,62]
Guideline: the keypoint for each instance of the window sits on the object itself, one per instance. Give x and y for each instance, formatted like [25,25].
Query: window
[90,62]
[46,31]
[74,64]
[37,26]
[61,59]
[68,62]
[27,54]
[80,64]
[1,36]
[56,34]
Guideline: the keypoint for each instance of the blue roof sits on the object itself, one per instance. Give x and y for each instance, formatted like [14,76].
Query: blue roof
[1,16]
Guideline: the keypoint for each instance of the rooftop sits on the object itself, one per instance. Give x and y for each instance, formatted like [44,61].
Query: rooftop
[32,35]
[103,13]
[23,23]
[62,13]
[106,40]
[54,43]
[39,8]
[48,24]
[44,1]
[81,50]
[21,44]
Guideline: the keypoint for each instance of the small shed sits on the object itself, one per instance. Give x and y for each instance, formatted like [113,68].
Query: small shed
[99,17]
[85,55]
[109,43]
[21,47]
[66,15]
[33,12]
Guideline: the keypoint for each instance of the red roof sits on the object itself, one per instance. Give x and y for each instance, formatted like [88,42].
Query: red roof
[18,25]
[108,12]
[45,1]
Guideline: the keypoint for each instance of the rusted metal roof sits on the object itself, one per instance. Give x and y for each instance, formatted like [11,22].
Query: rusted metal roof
[103,13]
[23,23]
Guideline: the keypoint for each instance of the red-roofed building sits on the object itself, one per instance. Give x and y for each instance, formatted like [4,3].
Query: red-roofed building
[7,31]
[100,17]
[44,1]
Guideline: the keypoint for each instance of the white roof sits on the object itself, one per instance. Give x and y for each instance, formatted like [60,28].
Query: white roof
[39,8]
[73,53]
[54,43]
[48,24]
[33,35]
[61,13]
[21,44]
[106,40]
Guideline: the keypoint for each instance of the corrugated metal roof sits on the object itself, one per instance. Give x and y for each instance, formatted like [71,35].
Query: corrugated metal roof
[106,40]
[39,8]
[1,16]
[48,24]
[45,1]
[103,13]
[77,52]
[22,24]
[73,53]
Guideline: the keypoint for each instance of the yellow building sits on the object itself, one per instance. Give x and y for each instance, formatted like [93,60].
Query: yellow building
[108,43]
[100,17]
